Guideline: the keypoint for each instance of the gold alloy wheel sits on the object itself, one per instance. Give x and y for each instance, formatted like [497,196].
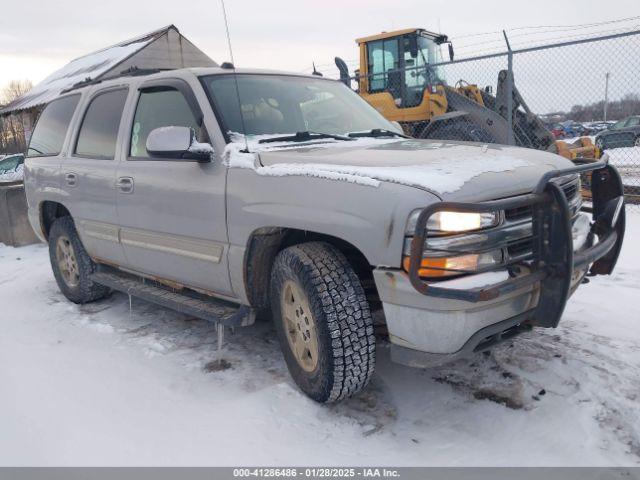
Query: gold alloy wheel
[300,326]
[67,263]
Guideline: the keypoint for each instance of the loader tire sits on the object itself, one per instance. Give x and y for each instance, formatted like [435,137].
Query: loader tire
[323,321]
[71,264]
[460,130]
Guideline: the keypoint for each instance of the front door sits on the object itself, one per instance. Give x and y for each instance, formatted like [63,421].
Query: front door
[171,211]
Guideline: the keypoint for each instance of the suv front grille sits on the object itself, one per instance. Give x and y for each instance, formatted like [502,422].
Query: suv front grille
[571,191]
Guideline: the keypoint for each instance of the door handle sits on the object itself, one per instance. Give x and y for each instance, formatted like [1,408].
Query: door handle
[125,184]
[71,179]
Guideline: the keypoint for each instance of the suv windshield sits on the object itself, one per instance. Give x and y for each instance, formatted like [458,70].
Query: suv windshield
[278,104]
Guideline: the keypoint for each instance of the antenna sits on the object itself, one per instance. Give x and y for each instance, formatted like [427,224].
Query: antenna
[235,77]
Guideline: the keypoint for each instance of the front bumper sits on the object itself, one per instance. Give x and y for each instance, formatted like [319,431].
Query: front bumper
[430,323]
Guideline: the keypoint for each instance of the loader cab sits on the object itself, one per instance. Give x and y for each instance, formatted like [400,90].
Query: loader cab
[397,68]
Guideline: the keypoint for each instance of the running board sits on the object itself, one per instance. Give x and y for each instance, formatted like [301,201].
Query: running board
[191,303]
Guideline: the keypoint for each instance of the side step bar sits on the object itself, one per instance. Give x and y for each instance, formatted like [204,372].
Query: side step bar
[191,303]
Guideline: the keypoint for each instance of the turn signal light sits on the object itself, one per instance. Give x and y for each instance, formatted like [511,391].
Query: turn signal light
[440,267]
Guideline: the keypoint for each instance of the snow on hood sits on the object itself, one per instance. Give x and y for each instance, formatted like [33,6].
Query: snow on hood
[236,156]
[439,166]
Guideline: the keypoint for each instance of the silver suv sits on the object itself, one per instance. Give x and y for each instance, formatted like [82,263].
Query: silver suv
[223,193]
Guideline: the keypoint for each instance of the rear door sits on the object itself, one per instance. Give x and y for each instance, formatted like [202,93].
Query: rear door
[89,174]
[172,211]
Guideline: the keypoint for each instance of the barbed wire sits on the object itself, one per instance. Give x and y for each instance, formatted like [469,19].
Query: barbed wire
[566,27]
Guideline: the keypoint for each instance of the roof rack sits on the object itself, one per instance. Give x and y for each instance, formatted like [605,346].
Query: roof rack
[129,72]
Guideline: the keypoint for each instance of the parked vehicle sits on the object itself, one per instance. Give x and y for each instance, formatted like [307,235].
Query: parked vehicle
[11,168]
[322,212]
[557,131]
[597,127]
[400,74]
[625,133]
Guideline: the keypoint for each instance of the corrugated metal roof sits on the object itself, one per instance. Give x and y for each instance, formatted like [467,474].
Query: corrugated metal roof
[93,66]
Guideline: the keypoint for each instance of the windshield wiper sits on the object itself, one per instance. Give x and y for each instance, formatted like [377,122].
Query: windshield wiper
[304,137]
[378,132]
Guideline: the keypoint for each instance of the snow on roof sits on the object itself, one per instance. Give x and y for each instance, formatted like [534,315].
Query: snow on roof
[91,66]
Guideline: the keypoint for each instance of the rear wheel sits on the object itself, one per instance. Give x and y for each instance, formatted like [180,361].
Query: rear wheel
[71,265]
[461,130]
[636,142]
[323,321]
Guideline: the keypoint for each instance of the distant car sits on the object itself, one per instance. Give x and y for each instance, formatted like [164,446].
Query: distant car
[11,167]
[557,131]
[625,133]
[597,127]
[573,129]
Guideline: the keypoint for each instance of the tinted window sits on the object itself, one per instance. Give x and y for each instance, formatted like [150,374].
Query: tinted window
[48,136]
[99,130]
[160,109]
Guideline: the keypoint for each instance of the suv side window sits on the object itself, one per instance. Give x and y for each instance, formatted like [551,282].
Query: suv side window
[633,122]
[99,129]
[51,128]
[160,108]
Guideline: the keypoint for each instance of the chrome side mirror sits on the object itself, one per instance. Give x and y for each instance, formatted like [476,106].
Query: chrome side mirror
[178,142]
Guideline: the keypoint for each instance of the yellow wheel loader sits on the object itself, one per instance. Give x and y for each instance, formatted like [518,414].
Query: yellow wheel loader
[401,77]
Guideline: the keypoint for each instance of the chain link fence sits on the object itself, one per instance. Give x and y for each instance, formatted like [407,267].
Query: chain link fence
[579,98]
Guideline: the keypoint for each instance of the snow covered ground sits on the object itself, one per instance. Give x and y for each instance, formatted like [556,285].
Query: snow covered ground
[100,385]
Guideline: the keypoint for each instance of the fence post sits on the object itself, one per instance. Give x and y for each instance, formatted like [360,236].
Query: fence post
[510,137]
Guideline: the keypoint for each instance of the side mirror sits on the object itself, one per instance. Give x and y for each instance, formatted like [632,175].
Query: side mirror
[177,142]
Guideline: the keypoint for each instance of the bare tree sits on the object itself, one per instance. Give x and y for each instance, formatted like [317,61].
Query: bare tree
[15,89]
[12,134]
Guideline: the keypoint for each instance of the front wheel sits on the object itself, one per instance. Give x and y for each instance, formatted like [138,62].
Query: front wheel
[323,321]
[600,144]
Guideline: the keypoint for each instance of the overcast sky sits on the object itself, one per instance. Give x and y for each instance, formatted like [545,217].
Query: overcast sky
[38,37]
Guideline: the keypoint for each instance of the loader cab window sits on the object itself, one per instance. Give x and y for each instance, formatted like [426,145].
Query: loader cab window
[420,53]
[383,66]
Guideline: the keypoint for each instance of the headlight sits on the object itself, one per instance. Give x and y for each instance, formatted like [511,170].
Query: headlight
[439,262]
[452,222]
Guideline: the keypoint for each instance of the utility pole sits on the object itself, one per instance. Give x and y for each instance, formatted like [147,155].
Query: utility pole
[606,94]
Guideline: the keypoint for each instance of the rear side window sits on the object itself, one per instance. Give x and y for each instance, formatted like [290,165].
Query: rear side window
[52,126]
[160,108]
[99,129]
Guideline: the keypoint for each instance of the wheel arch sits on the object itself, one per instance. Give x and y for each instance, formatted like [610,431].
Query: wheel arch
[265,243]
[49,212]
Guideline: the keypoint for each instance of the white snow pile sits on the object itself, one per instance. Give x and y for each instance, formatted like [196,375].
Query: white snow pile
[13,176]
[440,174]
